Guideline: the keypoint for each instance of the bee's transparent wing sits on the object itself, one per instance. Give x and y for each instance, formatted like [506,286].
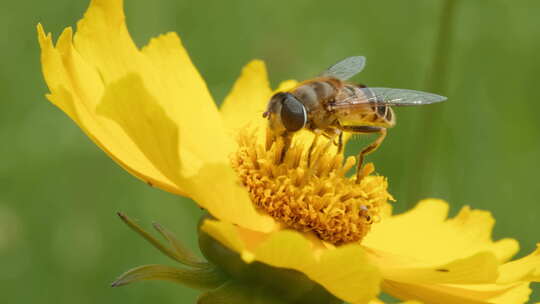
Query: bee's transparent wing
[345,68]
[388,97]
[401,97]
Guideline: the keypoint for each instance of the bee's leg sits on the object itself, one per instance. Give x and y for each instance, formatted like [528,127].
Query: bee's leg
[270,138]
[273,138]
[287,140]
[370,148]
[340,142]
[313,144]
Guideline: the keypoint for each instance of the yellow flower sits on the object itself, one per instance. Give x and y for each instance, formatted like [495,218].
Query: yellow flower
[150,110]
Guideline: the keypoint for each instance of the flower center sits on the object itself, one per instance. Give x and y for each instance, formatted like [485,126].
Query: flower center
[310,193]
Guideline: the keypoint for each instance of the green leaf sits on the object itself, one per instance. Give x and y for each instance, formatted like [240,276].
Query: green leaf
[178,252]
[202,279]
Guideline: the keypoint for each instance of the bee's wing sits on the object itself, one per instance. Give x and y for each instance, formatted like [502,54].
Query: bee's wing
[388,97]
[401,97]
[345,68]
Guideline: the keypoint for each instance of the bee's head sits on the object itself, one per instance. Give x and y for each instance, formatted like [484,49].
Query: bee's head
[285,113]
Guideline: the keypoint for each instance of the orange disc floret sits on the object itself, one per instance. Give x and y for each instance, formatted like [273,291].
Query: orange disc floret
[310,194]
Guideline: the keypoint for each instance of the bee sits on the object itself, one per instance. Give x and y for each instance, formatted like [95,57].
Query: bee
[329,105]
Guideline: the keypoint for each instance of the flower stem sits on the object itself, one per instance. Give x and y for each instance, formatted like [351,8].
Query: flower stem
[436,82]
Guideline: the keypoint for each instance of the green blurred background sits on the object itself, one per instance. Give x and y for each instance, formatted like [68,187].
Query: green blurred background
[60,241]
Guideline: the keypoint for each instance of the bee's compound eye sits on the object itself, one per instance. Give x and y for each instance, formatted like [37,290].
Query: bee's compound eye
[293,114]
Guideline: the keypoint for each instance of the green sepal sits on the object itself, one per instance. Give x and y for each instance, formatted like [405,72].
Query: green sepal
[198,278]
[183,254]
[178,252]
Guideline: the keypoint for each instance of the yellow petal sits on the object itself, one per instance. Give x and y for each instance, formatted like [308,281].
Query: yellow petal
[423,239]
[517,293]
[103,40]
[147,124]
[377,301]
[76,88]
[476,269]
[186,98]
[159,85]
[460,294]
[343,271]
[524,269]
[167,73]
[227,200]
[425,234]
[216,188]
[247,100]
[104,53]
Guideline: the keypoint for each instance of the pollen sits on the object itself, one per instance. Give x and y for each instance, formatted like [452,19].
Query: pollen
[310,193]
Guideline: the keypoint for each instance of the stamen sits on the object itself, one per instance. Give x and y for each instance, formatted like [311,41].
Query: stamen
[310,194]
